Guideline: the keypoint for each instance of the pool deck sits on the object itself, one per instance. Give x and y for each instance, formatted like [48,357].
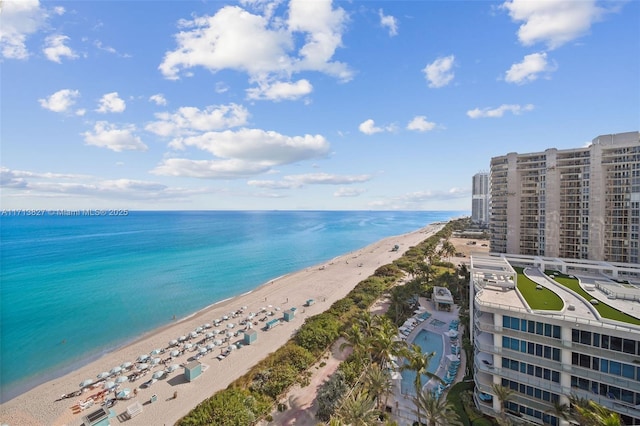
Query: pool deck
[403,405]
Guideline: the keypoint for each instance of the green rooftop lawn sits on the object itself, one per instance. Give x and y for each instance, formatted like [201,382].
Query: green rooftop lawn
[605,311]
[543,299]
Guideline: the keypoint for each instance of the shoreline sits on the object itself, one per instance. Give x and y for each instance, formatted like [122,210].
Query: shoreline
[325,282]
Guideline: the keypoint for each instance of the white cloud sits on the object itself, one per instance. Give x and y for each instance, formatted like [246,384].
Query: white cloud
[158,99]
[110,49]
[221,87]
[60,101]
[209,169]
[499,112]
[111,102]
[348,192]
[439,73]
[554,22]
[19,19]
[298,181]
[261,45]
[529,69]
[260,146]
[81,112]
[59,10]
[280,90]
[55,48]
[420,124]
[107,135]
[191,120]
[388,21]
[86,186]
[368,127]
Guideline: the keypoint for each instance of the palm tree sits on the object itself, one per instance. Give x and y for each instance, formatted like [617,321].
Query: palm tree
[358,410]
[377,381]
[437,411]
[590,413]
[561,411]
[447,249]
[354,339]
[383,342]
[418,361]
[503,394]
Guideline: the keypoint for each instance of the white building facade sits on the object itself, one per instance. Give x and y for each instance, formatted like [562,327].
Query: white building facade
[581,203]
[543,328]
[480,198]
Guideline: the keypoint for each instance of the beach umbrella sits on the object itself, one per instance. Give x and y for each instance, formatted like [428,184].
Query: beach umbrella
[143,366]
[109,385]
[174,353]
[216,332]
[143,358]
[207,325]
[232,347]
[155,361]
[173,342]
[188,345]
[203,350]
[217,342]
[122,379]
[103,375]
[231,325]
[86,383]
[123,394]
[115,370]
[224,318]
[158,374]
[182,338]
[210,346]
[172,368]
[198,330]
[127,365]
[156,351]
[277,308]
[209,335]
[229,334]
[193,334]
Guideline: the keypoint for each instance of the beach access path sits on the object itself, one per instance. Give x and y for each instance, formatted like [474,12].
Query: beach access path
[324,283]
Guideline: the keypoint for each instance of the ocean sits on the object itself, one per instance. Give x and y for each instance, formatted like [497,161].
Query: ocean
[75,287]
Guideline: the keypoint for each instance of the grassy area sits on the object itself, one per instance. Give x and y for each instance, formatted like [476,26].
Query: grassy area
[543,299]
[605,311]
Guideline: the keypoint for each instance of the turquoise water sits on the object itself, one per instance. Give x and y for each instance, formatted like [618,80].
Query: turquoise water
[76,287]
[429,342]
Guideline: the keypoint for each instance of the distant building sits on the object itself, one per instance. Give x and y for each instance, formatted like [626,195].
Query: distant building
[581,203]
[480,198]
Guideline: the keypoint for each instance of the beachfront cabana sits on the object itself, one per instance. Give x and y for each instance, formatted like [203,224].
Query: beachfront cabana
[442,298]
[192,370]
[289,314]
[272,323]
[250,336]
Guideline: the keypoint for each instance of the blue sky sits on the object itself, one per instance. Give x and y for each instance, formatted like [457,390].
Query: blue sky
[300,104]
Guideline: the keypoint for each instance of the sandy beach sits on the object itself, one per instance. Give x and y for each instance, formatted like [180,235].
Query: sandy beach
[175,396]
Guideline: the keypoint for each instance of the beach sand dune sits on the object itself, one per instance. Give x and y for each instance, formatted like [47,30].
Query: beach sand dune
[174,396]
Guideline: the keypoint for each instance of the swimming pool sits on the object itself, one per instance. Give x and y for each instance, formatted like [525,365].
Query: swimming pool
[429,342]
